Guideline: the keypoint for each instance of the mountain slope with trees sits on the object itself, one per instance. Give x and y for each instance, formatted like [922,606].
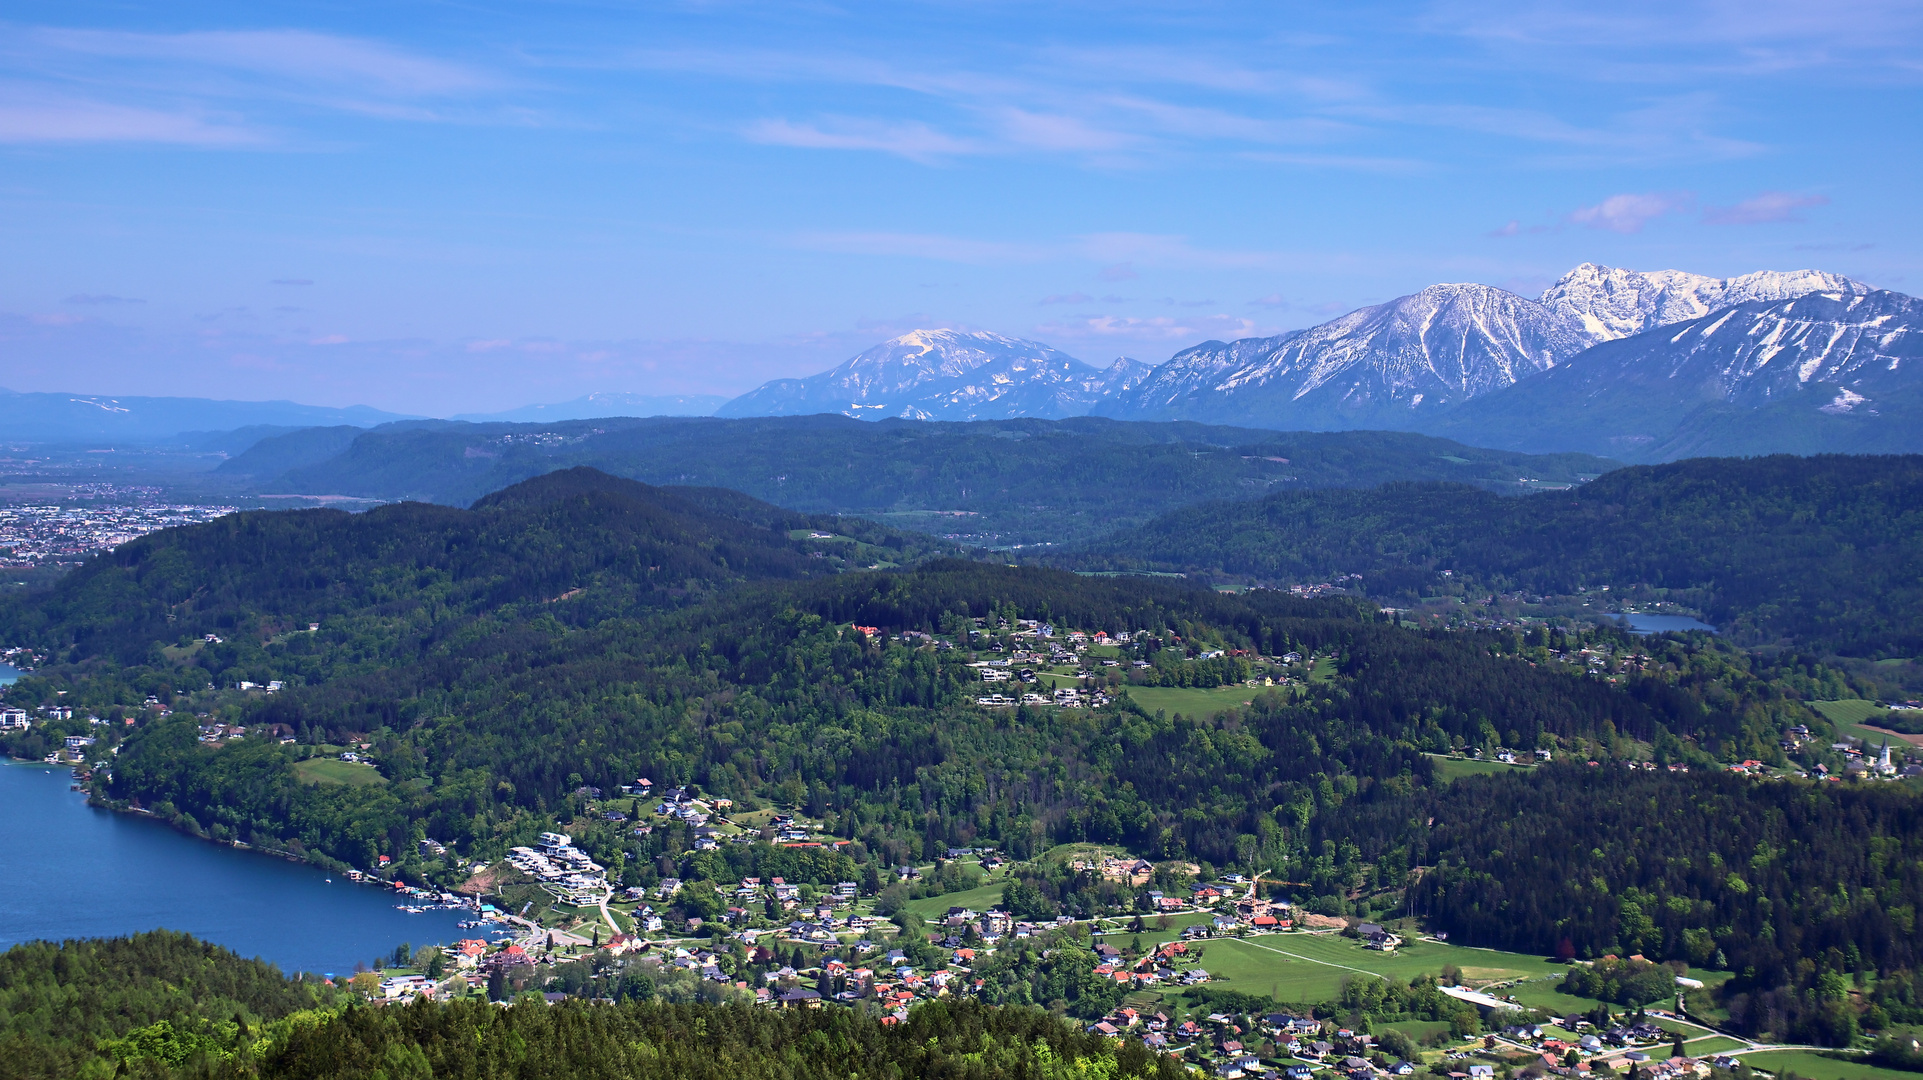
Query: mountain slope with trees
[990,483]
[597,541]
[1822,552]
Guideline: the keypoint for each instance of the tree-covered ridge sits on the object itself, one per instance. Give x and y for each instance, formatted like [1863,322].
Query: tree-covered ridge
[1798,888]
[1009,481]
[163,1006]
[959,1040]
[769,693]
[75,1008]
[1823,552]
[584,543]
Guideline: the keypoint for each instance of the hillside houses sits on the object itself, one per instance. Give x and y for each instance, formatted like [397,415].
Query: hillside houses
[563,869]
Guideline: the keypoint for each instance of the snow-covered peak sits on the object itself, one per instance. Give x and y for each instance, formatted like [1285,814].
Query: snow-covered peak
[942,374]
[921,355]
[1609,302]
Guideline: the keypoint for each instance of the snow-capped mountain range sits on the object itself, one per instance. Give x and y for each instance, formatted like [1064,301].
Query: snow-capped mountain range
[1417,362]
[1433,349]
[947,375]
[1826,371]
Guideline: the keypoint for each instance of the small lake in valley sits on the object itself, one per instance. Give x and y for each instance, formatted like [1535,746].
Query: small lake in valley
[1662,624]
[80,872]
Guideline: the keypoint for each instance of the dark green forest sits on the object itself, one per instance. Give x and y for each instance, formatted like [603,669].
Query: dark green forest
[994,482]
[163,1006]
[576,631]
[1821,553]
[80,1008]
[1805,891]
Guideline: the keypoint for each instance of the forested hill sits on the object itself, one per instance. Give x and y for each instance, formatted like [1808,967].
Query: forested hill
[989,482]
[488,701]
[1824,552]
[600,542]
[1714,869]
[162,1006]
[157,1001]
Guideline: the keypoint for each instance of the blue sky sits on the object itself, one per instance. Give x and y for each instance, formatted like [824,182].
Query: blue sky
[443,207]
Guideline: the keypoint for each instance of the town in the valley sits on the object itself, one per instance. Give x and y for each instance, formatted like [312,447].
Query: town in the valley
[687,894]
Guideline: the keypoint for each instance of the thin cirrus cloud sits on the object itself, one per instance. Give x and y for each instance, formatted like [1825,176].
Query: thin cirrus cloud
[280,55]
[1766,208]
[28,115]
[1120,255]
[1152,329]
[1010,129]
[206,88]
[102,299]
[1629,212]
[913,140]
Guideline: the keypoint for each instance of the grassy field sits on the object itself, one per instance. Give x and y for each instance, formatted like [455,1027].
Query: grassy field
[1715,1044]
[1419,1029]
[1192,702]
[1852,716]
[336,771]
[931,907]
[1448,768]
[1311,967]
[1814,1066]
[1542,994]
[1153,933]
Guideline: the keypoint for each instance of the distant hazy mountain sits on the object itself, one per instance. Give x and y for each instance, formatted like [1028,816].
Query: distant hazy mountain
[280,452]
[606,403]
[1830,371]
[90,418]
[1391,364]
[994,482]
[945,375]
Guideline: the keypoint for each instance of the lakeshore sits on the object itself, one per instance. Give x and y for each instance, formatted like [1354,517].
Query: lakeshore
[91,872]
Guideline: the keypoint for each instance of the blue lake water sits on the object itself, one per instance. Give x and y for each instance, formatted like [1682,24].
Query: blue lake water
[1662,624]
[80,872]
[9,674]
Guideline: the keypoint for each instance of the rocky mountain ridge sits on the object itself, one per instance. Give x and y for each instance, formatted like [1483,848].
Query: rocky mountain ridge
[1434,360]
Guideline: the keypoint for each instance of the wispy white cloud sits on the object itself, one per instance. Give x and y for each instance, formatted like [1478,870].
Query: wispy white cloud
[1628,213]
[1060,132]
[1158,329]
[1388,166]
[924,246]
[1119,254]
[279,55]
[28,115]
[213,88]
[102,299]
[1814,30]
[913,140]
[1770,206]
